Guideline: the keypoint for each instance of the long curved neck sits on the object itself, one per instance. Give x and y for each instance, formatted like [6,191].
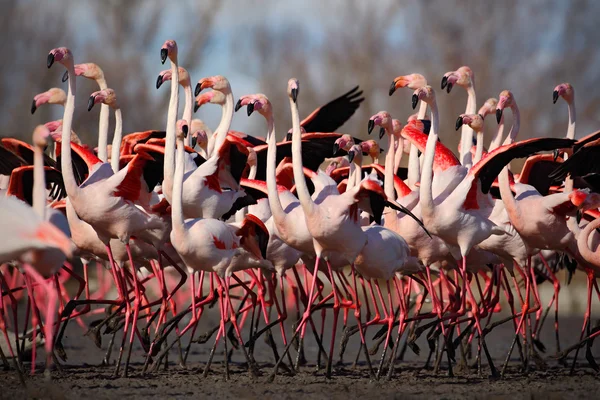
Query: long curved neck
[116,143]
[169,167]
[103,125]
[467,131]
[220,133]
[510,203]
[176,206]
[65,146]
[301,188]
[390,170]
[479,148]
[274,201]
[572,117]
[414,166]
[39,182]
[583,240]
[497,140]
[187,109]
[425,192]
[399,152]
[514,130]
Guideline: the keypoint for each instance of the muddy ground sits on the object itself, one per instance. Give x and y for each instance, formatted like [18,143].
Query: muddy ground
[83,375]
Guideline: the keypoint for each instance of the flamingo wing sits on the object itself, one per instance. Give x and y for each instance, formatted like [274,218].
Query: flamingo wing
[20,184]
[254,236]
[25,151]
[334,114]
[83,159]
[416,132]
[128,182]
[584,161]
[9,161]
[129,141]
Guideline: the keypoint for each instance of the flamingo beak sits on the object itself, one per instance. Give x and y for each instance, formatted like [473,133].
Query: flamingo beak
[194,141]
[159,81]
[196,107]
[50,60]
[449,87]
[554,97]
[381,133]
[163,55]
[250,109]
[184,129]
[498,114]
[91,102]
[370,126]
[33,107]
[65,76]
[392,88]
[444,82]
[415,100]
[351,155]
[238,105]
[459,123]
[295,94]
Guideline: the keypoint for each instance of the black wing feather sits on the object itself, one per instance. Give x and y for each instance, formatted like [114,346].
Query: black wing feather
[335,113]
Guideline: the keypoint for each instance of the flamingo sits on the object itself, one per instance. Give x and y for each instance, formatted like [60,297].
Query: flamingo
[413,82]
[185,82]
[50,96]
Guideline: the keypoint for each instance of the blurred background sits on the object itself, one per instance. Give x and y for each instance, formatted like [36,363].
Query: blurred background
[331,46]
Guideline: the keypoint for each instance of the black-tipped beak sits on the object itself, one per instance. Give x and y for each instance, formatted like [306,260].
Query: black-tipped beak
[50,60]
[498,115]
[336,148]
[159,81]
[370,126]
[250,109]
[351,155]
[381,133]
[194,141]
[196,107]
[415,100]
[288,137]
[163,55]
[459,123]
[555,96]
[449,87]
[392,88]
[65,76]
[184,129]
[197,89]
[33,107]
[91,102]
[444,82]
[238,105]
[295,94]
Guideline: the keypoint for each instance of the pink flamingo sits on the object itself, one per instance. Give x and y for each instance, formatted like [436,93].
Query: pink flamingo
[50,96]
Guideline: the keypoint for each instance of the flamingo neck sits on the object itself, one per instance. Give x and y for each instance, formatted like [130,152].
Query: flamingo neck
[169,164]
[467,131]
[425,191]
[301,188]
[479,148]
[390,167]
[177,193]
[514,130]
[583,240]
[103,125]
[65,146]
[497,140]
[414,166]
[39,182]
[187,109]
[398,153]
[116,143]
[510,203]
[220,134]
[274,201]
[572,117]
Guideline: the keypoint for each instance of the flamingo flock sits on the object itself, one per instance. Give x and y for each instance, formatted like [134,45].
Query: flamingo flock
[178,220]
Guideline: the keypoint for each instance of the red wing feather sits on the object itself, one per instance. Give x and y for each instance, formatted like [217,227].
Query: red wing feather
[131,186]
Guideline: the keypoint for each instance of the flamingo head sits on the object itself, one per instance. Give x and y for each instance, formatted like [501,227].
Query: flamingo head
[166,75]
[182,129]
[168,49]
[355,154]
[217,82]
[87,70]
[293,89]
[199,133]
[53,126]
[382,119]
[255,102]
[290,132]
[106,96]
[564,90]
[61,55]
[475,121]
[412,81]
[51,96]
[505,100]
[489,107]
[425,94]
[333,165]
[462,77]
[41,136]
[212,97]
[344,142]
[372,148]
